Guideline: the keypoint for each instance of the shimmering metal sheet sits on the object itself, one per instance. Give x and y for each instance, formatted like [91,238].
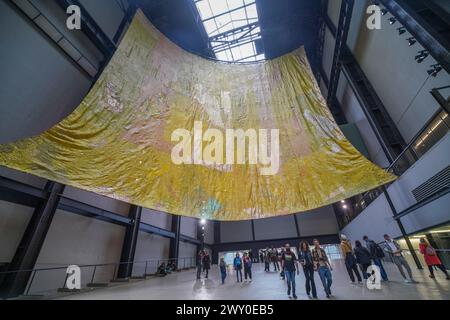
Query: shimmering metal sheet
[118,141]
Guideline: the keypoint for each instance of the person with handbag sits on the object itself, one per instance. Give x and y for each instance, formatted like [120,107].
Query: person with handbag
[431,258]
[350,260]
[290,267]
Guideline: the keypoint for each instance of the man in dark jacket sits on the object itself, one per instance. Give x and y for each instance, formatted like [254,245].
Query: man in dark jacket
[362,257]
[376,254]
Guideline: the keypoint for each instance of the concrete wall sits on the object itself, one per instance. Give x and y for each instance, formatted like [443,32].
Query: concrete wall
[40,86]
[316,222]
[13,222]
[377,220]
[149,250]
[74,239]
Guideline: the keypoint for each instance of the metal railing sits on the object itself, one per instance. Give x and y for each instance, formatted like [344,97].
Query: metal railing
[92,274]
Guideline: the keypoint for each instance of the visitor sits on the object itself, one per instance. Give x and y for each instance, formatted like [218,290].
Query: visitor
[289,266]
[267,261]
[161,272]
[261,257]
[247,261]
[431,258]
[395,251]
[199,263]
[376,254]
[323,266]
[274,259]
[223,270]
[206,263]
[350,260]
[282,274]
[363,258]
[306,260]
[237,264]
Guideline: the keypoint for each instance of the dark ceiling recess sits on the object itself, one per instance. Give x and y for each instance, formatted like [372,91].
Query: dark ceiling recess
[285,25]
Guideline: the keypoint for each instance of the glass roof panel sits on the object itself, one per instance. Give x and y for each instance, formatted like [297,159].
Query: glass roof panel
[232,27]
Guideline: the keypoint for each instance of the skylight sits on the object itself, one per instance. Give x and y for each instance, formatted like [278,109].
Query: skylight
[233,29]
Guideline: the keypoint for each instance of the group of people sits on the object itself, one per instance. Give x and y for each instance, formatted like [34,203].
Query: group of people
[164,269]
[372,252]
[316,260]
[270,255]
[203,263]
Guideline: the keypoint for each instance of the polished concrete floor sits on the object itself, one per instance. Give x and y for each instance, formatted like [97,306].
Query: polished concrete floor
[268,286]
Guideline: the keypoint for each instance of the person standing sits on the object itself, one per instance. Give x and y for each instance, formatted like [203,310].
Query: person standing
[323,266]
[431,258]
[274,258]
[237,264]
[363,258]
[394,249]
[199,263]
[247,261]
[306,260]
[267,260]
[206,263]
[290,267]
[376,254]
[223,270]
[350,260]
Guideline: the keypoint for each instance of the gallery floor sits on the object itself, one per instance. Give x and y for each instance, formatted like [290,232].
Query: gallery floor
[268,286]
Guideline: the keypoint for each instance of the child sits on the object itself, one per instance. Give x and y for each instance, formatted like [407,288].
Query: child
[223,270]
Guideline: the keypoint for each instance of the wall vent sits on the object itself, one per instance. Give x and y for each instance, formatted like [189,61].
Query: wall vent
[438,182]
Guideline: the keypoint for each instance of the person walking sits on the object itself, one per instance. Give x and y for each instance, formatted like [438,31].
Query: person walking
[223,270]
[394,249]
[376,254]
[290,267]
[350,260]
[323,266]
[206,263]
[431,258]
[247,261]
[267,260]
[363,258]
[306,260]
[199,263]
[274,259]
[237,264]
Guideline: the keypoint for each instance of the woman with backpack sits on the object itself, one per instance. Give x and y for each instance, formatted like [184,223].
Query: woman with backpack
[431,258]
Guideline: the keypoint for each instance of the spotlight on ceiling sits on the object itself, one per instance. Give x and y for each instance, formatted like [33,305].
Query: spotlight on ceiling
[421,56]
[401,30]
[383,12]
[392,20]
[203,221]
[344,206]
[436,69]
[342,201]
[411,41]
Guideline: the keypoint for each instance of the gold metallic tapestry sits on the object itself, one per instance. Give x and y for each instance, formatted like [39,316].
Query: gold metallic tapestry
[120,142]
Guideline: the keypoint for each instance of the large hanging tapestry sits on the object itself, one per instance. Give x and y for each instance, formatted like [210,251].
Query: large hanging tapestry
[168,130]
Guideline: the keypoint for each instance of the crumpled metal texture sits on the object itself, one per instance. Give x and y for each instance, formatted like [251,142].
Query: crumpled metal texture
[118,141]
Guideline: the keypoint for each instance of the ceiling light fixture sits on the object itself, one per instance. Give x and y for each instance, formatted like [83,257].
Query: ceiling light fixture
[401,30]
[392,20]
[383,12]
[411,41]
[423,54]
[436,69]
